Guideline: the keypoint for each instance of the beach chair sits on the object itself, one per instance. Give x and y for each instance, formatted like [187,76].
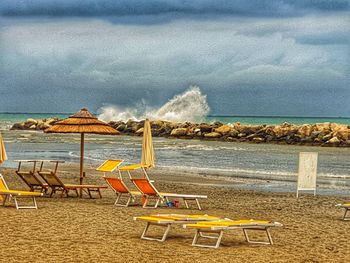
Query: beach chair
[167,220]
[149,191]
[214,230]
[346,208]
[30,178]
[7,194]
[117,184]
[56,185]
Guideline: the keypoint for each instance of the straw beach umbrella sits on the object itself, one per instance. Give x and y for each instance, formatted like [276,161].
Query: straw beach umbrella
[82,122]
[3,155]
[147,156]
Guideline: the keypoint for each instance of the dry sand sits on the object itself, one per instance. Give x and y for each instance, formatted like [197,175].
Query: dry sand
[85,230]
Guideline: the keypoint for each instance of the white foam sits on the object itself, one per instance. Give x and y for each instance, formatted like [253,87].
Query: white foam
[190,105]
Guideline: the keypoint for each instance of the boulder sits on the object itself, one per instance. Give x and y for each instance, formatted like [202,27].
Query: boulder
[205,127]
[18,126]
[212,135]
[121,127]
[179,132]
[139,131]
[29,123]
[305,130]
[224,129]
[333,140]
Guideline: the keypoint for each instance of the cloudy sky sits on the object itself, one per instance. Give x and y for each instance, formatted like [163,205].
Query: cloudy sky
[250,57]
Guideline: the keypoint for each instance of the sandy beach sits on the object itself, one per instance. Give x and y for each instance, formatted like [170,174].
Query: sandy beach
[85,230]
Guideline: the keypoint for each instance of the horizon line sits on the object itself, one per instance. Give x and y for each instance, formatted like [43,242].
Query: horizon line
[211,115]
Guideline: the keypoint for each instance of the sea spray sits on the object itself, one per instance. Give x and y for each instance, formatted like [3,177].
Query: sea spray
[190,105]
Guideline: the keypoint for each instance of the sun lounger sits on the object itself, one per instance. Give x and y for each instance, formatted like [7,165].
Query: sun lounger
[346,209]
[117,184]
[55,183]
[167,220]
[6,193]
[149,191]
[215,229]
[29,177]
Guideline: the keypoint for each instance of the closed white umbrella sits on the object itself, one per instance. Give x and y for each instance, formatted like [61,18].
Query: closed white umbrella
[3,155]
[147,157]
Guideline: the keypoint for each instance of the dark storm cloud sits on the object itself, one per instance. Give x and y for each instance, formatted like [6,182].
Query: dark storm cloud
[158,7]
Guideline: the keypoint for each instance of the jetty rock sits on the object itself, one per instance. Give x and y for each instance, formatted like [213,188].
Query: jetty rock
[318,134]
[32,124]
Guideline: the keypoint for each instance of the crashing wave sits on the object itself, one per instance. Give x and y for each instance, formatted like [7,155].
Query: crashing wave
[190,105]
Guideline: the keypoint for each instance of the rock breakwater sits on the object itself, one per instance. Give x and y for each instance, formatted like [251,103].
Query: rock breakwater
[320,134]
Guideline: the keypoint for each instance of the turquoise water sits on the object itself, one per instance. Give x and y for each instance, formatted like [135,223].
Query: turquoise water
[7,119]
[276,120]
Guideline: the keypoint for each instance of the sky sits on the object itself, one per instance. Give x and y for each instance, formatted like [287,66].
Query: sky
[249,57]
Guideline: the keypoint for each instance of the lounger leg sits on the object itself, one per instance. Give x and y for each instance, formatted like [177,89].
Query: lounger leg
[162,239]
[266,230]
[119,195]
[199,206]
[345,213]
[35,206]
[199,234]
[146,202]
[186,204]
[4,201]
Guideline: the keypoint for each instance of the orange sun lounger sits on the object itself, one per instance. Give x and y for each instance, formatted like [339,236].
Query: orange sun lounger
[6,193]
[149,191]
[117,184]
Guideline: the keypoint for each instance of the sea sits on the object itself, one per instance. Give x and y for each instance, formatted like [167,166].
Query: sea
[268,162]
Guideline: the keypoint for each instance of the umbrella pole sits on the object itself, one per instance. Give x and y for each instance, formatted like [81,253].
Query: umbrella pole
[81,161]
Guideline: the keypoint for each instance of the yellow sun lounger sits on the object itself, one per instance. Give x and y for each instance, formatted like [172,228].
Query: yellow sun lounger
[167,220]
[215,229]
[117,184]
[346,208]
[6,193]
[148,190]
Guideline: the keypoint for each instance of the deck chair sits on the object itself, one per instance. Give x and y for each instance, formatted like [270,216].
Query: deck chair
[56,185]
[30,178]
[117,184]
[149,191]
[167,220]
[7,194]
[346,208]
[214,230]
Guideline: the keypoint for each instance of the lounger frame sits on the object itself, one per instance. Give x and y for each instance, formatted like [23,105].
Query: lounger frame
[57,185]
[346,210]
[216,232]
[11,194]
[160,197]
[30,178]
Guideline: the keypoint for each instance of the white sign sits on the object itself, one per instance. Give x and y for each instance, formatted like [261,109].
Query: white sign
[307,172]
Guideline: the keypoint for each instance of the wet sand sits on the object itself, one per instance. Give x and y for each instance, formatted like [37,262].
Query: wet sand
[85,230]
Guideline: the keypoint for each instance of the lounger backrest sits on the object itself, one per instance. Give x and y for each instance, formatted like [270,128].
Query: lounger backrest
[145,186]
[3,185]
[116,184]
[51,179]
[109,165]
[29,178]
